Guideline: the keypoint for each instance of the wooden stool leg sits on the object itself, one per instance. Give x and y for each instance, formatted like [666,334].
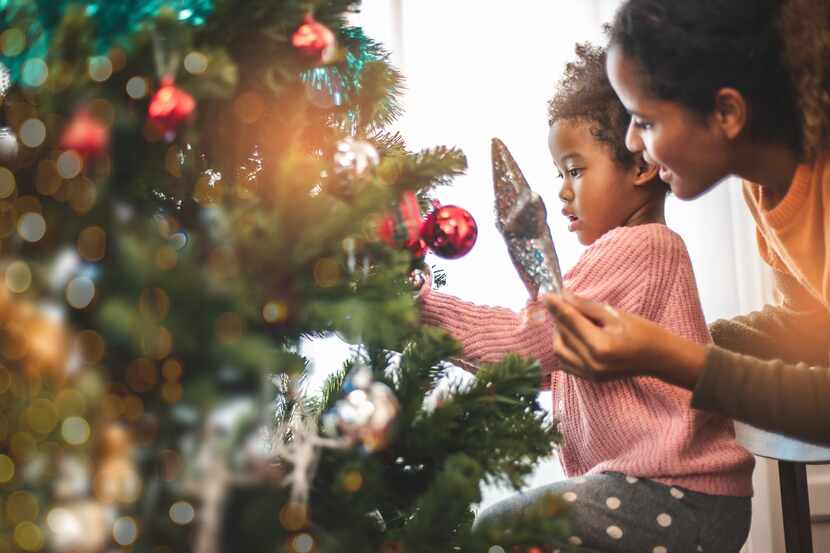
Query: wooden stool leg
[795,504]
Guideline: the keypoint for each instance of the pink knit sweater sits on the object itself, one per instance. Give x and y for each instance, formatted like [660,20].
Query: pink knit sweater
[638,426]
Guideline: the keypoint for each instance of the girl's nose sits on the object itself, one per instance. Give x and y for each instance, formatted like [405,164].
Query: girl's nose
[633,140]
[566,194]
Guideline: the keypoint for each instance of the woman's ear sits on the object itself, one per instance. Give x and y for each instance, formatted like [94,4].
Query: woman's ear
[644,172]
[730,112]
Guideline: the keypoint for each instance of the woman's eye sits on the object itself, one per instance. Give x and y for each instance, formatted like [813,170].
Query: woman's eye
[642,125]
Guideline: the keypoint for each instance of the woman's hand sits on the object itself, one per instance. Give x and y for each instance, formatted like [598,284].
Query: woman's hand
[597,342]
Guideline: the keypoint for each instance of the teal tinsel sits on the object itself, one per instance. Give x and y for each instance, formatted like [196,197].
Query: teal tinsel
[340,80]
[114,20]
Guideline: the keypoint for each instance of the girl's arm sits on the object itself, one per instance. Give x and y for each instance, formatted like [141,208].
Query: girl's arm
[487,334]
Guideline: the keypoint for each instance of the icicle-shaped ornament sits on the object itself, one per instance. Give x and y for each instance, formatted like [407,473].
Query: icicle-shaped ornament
[521,218]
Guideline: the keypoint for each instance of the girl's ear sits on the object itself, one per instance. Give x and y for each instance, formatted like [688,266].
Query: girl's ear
[644,172]
[730,112]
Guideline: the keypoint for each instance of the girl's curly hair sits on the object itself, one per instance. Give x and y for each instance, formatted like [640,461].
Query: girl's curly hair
[585,94]
[775,52]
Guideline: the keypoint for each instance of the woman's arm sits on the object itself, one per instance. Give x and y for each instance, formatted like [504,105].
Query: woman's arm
[792,399]
[601,343]
[797,330]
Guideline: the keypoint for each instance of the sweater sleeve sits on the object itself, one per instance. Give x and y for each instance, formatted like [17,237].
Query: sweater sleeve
[487,334]
[617,269]
[782,398]
[769,368]
[795,330]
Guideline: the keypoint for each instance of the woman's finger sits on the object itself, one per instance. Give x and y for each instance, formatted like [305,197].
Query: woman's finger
[568,317]
[571,363]
[601,313]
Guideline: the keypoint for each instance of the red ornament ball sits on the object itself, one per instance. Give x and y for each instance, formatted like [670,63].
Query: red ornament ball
[85,134]
[170,106]
[450,231]
[402,228]
[315,40]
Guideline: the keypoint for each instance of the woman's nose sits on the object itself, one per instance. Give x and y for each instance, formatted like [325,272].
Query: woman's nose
[633,140]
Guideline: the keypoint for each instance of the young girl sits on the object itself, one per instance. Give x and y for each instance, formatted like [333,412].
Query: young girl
[757,104]
[648,473]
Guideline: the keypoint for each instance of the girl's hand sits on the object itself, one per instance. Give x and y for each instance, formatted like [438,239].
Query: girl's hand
[597,342]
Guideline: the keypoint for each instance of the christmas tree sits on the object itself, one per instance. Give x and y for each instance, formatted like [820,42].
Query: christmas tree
[188,188]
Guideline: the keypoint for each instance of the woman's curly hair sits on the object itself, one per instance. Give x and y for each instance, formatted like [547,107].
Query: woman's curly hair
[805,28]
[585,94]
[775,52]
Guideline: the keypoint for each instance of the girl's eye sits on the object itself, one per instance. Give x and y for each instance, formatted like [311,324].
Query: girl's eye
[559,176]
[575,173]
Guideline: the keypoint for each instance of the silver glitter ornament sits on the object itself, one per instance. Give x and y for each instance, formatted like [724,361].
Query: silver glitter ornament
[354,157]
[5,80]
[521,218]
[9,145]
[367,414]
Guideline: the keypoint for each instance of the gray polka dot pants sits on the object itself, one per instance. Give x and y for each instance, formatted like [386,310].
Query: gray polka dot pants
[614,513]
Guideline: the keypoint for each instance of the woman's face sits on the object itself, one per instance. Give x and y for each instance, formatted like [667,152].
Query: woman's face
[693,153]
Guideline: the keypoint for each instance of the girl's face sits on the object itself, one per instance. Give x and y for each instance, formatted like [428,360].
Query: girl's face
[692,154]
[597,193]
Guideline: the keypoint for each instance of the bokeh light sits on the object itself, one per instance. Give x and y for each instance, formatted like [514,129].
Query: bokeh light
[75,430]
[100,68]
[69,164]
[31,227]
[18,276]
[125,531]
[13,42]
[6,468]
[92,243]
[21,506]
[182,512]
[274,312]
[352,481]
[42,416]
[35,72]
[195,63]
[293,516]
[302,543]
[32,132]
[79,292]
[7,183]
[171,370]
[70,402]
[137,88]
[92,346]
[142,374]
[28,536]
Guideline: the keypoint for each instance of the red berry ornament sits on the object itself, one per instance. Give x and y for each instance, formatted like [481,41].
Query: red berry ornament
[85,134]
[170,106]
[449,231]
[315,40]
[403,227]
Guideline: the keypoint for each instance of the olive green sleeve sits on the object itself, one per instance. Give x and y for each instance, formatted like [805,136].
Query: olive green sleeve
[792,399]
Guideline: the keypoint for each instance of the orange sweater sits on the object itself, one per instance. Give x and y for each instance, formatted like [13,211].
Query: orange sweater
[793,235]
[746,375]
